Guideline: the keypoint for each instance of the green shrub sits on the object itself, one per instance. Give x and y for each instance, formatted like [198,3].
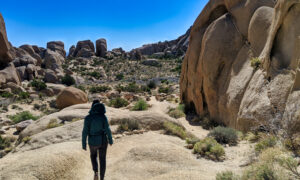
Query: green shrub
[140,105]
[224,135]
[145,89]
[98,89]
[177,112]
[119,88]
[5,142]
[132,87]
[68,80]
[96,62]
[119,76]
[164,81]
[192,141]
[6,95]
[255,63]
[95,74]
[118,102]
[38,84]
[53,123]
[177,69]
[26,139]
[176,130]
[265,142]
[251,137]
[261,172]
[210,148]
[165,90]
[22,116]
[151,85]
[226,175]
[271,164]
[290,164]
[81,87]
[23,95]
[128,125]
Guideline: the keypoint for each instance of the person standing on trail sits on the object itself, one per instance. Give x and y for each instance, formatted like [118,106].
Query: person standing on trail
[97,129]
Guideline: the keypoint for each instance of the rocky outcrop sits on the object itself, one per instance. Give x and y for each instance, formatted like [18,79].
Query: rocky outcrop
[53,61]
[217,79]
[118,52]
[71,51]
[71,96]
[175,47]
[29,51]
[57,46]
[101,47]
[9,74]
[84,49]
[135,55]
[5,55]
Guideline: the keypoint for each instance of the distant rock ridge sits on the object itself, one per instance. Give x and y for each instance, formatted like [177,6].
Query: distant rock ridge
[175,47]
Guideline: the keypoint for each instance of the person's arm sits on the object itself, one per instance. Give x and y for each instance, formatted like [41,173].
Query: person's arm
[84,133]
[108,131]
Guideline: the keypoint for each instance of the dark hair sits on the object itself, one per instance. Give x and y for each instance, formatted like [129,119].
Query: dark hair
[95,102]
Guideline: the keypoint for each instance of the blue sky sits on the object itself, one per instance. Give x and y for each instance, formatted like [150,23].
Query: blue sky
[124,23]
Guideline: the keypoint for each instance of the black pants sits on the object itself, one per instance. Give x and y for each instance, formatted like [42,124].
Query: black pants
[102,158]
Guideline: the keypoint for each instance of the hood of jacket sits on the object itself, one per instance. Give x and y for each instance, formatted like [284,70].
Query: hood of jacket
[98,108]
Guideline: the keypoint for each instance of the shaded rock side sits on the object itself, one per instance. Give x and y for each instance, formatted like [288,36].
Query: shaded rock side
[5,56]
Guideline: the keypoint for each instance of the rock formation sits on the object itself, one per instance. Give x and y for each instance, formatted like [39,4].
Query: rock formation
[101,47]
[9,74]
[5,56]
[57,46]
[53,60]
[71,51]
[176,47]
[84,49]
[217,78]
[71,96]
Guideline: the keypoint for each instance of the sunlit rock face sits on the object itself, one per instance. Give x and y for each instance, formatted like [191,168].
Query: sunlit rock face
[217,78]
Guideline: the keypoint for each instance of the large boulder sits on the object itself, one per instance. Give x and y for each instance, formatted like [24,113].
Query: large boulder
[84,49]
[14,87]
[217,79]
[53,60]
[22,125]
[32,52]
[22,73]
[71,96]
[24,61]
[71,51]
[5,56]
[9,74]
[101,47]
[28,48]
[50,76]
[57,46]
